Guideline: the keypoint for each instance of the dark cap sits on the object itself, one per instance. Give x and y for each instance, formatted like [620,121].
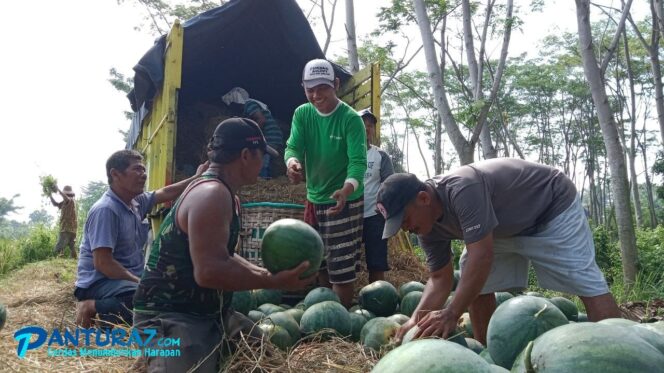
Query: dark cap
[240,133]
[393,196]
[367,113]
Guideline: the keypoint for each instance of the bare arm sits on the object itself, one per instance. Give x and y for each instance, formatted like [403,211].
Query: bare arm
[173,191]
[54,202]
[105,263]
[207,225]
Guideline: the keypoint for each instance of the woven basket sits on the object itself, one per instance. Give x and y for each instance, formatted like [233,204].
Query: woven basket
[256,217]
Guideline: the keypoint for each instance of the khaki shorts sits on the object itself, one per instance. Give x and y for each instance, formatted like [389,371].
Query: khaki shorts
[562,253]
[201,343]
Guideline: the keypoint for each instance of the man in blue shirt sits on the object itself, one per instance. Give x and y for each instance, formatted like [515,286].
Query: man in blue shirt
[111,255]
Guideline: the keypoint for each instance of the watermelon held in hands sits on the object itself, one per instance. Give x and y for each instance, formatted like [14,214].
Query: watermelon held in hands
[289,242]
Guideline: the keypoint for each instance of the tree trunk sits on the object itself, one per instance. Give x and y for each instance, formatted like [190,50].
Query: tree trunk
[351,41]
[614,150]
[649,191]
[462,147]
[632,135]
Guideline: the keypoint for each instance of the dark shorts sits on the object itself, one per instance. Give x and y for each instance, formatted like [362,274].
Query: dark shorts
[202,339]
[342,237]
[114,299]
[375,247]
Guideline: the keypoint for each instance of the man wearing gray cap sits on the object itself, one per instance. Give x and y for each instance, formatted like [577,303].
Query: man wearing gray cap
[328,137]
[510,213]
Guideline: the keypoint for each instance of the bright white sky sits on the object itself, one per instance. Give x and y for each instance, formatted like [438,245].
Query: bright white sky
[60,115]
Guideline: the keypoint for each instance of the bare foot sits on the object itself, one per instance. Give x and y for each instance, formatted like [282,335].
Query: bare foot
[85,311]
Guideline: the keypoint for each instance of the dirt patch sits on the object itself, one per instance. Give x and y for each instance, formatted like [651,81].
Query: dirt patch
[651,311]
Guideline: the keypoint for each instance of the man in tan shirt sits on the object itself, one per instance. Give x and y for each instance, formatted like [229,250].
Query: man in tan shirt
[68,222]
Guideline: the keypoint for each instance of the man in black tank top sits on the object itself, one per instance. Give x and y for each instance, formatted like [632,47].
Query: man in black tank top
[186,289]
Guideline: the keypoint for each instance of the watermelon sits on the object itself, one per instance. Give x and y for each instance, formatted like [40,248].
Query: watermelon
[379,297]
[285,306]
[655,326]
[474,345]
[487,356]
[286,321]
[497,369]
[409,302]
[3,315]
[457,337]
[429,356]
[267,296]
[534,294]
[518,321]
[582,317]
[277,335]
[618,321]
[357,322]
[269,308]
[590,347]
[399,318]
[318,295]
[367,314]
[502,296]
[287,243]
[407,287]
[296,313]
[243,301]
[255,315]
[377,332]
[567,306]
[326,315]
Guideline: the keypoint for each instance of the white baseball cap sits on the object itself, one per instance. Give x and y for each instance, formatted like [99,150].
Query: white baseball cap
[317,72]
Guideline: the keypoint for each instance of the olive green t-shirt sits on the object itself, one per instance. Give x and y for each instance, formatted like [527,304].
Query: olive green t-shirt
[506,196]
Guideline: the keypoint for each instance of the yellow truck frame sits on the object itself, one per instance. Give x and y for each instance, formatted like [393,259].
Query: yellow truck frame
[158,133]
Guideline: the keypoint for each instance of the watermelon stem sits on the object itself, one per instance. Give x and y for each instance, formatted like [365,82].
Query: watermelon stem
[529,365]
[540,311]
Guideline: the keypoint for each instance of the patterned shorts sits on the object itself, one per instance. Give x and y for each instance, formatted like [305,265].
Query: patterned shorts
[342,236]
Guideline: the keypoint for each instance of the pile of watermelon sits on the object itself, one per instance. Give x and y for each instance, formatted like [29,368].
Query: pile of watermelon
[527,333]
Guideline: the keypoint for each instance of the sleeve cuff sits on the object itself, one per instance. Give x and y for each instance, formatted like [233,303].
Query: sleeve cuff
[353,182]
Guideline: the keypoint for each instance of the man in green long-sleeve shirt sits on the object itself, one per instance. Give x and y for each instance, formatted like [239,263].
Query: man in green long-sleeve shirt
[328,136]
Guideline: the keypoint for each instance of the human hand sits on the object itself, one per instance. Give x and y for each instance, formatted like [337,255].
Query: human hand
[294,172]
[401,332]
[440,323]
[202,168]
[340,196]
[290,279]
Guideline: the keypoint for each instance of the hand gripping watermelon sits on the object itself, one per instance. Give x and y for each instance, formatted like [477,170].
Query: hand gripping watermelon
[287,243]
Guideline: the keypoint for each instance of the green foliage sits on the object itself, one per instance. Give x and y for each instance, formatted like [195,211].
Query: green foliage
[41,217]
[36,246]
[7,206]
[91,193]
[49,185]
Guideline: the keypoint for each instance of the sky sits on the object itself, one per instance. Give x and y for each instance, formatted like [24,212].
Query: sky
[60,116]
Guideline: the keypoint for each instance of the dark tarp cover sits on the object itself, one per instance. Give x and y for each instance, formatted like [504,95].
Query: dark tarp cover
[259,45]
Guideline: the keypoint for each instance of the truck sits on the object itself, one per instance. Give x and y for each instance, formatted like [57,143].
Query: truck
[260,46]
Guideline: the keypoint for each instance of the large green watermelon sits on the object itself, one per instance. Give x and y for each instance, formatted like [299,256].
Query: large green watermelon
[3,315]
[263,296]
[277,335]
[518,321]
[567,306]
[378,332]
[366,313]
[399,318]
[286,321]
[379,297]
[269,308]
[287,243]
[409,302]
[320,294]
[256,315]
[407,287]
[429,356]
[590,348]
[357,322]
[502,296]
[326,315]
[617,321]
[244,301]
[296,313]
